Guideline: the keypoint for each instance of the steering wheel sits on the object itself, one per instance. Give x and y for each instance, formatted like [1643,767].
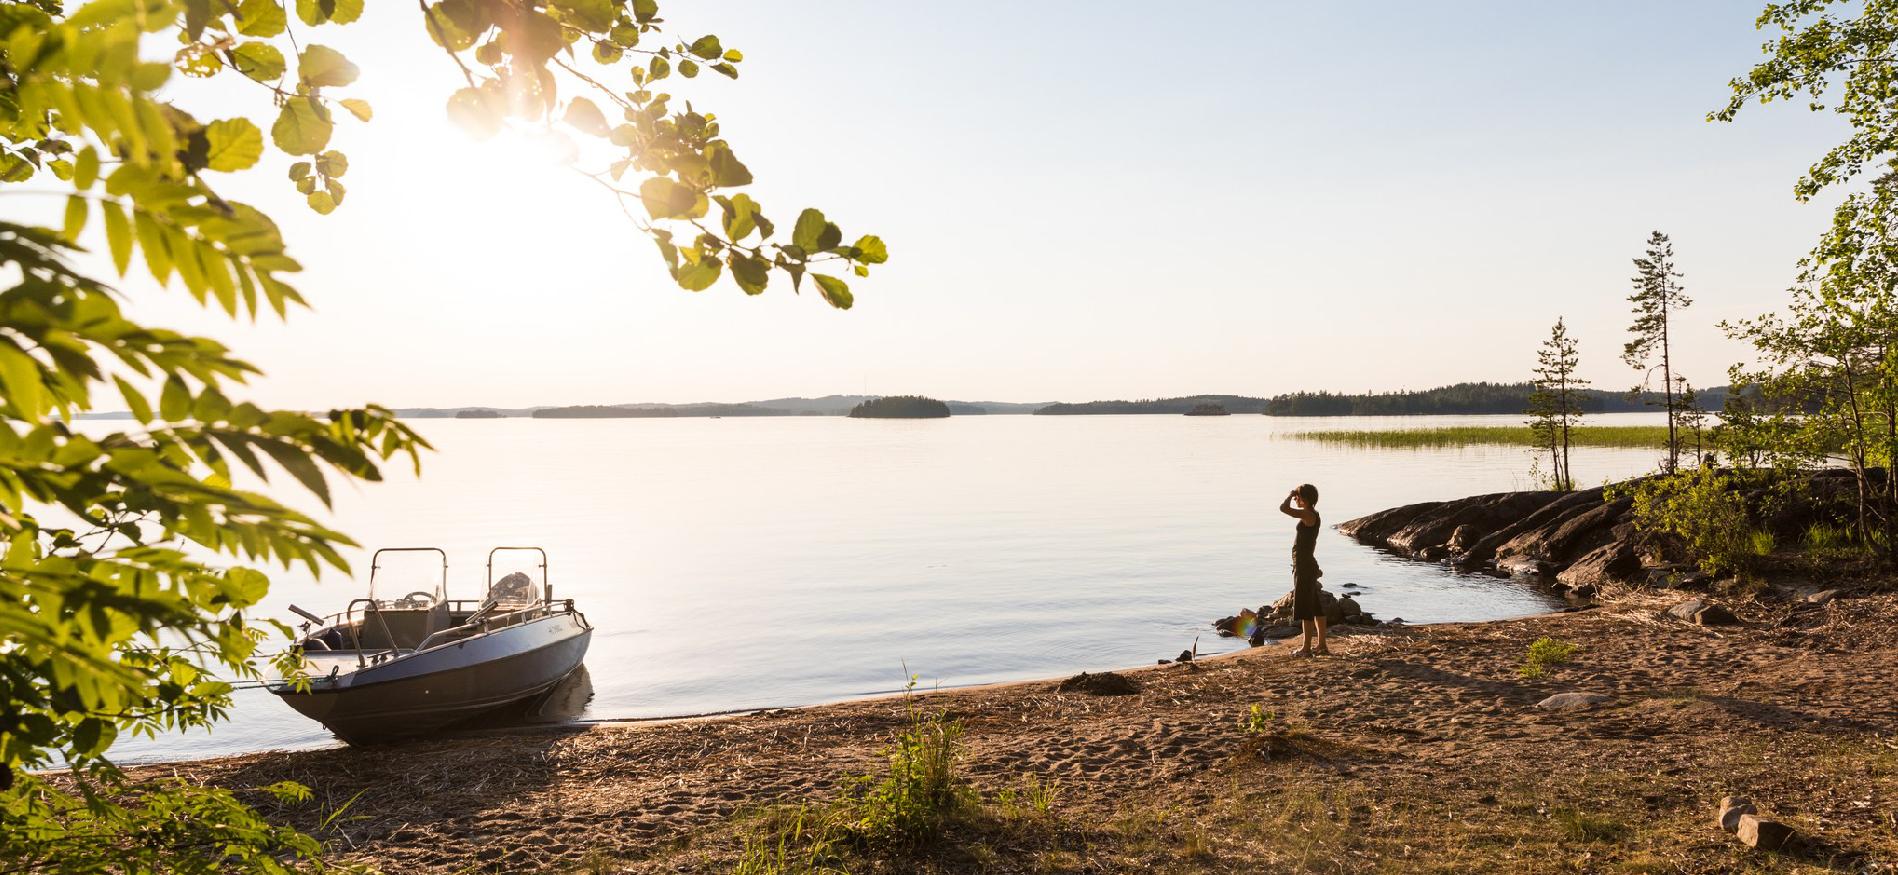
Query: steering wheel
[420,599]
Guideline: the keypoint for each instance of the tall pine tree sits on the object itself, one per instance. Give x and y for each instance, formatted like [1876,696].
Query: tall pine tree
[1555,408]
[1657,295]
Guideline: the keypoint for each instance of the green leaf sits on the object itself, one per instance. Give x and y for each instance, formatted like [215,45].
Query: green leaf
[235,144]
[740,216]
[665,198]
[315,12]
[810,226]
[836,291]
[323,66]
[707,47]
[302,128]
[586,117]
[300,171]
[751,273]
[85,169]
[77,211]
[688,68]
[474,112]
[118,235]
[322,202]
[174,400]
[262,18]
[332,163]
[358,107]
[134,400]
[870,249]
[697,277]
[727,170]
[20,377]
[729,71]
[299,465]
[258,60]
[830,237]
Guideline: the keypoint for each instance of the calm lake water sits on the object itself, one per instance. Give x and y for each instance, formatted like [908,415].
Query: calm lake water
[744,563]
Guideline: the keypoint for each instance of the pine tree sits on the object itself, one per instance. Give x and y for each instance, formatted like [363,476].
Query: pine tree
[1555,407]
[1657,295]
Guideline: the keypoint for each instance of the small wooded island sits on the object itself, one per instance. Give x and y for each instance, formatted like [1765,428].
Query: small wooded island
[900,407]
[1207,410]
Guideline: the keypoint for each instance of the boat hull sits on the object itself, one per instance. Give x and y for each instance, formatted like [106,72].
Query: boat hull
[422,692]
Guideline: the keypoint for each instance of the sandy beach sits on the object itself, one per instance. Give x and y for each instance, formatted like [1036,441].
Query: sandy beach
[1418,749]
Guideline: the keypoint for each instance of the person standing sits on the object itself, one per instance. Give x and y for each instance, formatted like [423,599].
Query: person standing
[1302,504]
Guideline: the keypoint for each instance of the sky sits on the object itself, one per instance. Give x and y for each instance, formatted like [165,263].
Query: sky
[1081,200]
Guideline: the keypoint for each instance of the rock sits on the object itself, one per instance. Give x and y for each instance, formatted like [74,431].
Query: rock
[1233,626]
[1767,835]
[1573,701]
[1614,562]
[1716,615]
[1731,807]
[1687,610]
[1585,591]
[1523,566]
[1185,656]
[1274,632]
[1104,683]
[1348,608]
[1463,537]
[1821,597]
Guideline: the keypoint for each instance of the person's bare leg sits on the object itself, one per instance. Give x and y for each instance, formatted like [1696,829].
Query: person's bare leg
[1322,649]
[1307,626]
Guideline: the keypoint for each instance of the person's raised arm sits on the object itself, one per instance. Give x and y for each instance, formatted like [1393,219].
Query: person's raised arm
[1286,508]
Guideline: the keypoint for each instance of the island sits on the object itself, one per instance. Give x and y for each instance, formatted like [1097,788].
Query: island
[900,407]
[1207,410]
[479,413]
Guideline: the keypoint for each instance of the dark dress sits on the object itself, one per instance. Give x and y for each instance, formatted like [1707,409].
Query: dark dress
[1305,572]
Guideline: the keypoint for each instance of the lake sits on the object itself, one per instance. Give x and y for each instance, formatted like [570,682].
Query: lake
[767,562]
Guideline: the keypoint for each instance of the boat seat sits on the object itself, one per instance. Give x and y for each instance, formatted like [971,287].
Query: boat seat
[401,628]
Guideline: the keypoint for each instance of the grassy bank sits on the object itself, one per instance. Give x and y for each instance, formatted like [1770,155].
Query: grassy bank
[1622,436]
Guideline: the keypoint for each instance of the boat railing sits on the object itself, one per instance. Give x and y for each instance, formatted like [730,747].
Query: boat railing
[488,624]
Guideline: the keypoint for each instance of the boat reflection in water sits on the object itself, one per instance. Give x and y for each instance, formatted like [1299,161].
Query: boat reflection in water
[386,669]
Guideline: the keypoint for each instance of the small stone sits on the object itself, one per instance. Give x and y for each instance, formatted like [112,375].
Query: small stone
[1767,835]
[1730,811]
[1687,609]
[1715,615]
[1185,656]
[1823,596]
[1573,701]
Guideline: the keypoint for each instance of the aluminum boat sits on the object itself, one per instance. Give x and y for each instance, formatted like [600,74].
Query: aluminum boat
[384,669]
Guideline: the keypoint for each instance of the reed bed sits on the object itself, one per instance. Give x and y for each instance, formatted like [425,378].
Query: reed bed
[1618,436]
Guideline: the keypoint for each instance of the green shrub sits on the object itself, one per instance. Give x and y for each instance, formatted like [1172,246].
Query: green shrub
[1256,721]
[1702,509]
[1546,652]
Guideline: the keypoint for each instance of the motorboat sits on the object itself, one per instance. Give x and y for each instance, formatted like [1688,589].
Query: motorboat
[389,668]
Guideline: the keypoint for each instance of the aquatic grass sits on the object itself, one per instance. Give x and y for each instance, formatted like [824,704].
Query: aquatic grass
[1611,436]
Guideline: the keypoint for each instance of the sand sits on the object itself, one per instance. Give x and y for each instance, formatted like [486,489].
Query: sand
[1416,749]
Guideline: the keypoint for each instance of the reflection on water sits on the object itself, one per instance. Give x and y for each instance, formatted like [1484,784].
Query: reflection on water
[742,563]
[565,703]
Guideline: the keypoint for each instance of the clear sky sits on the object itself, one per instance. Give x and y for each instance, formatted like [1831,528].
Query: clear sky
[1081,199]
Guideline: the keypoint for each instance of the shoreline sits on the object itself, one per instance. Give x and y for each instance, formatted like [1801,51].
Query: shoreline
[1407,746]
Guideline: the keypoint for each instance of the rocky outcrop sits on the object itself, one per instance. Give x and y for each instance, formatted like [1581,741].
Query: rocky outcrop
[1580,538]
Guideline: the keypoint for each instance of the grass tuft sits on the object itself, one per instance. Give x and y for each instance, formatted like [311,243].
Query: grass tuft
[1544,654]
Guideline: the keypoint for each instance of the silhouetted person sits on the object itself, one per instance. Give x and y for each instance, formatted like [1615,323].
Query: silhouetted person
[1302,503]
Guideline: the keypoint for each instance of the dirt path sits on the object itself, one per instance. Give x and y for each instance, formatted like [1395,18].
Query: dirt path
[1416,750]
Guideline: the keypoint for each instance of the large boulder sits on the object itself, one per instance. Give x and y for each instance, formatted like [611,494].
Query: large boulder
[1730,810]
[1613,562]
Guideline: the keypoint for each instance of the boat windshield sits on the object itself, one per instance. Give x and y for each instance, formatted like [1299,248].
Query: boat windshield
[514,592]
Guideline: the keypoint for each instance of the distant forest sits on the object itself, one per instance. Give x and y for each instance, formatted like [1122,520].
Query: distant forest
[1465,398]
[900,407]
[1232,404]
[597,411]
